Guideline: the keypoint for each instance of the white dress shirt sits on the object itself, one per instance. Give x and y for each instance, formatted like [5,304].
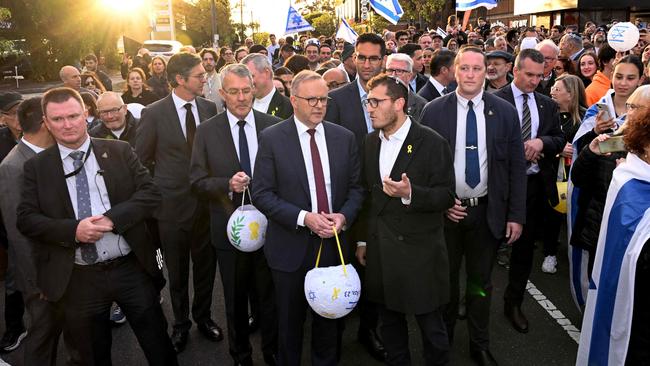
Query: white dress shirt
[534,118]
[251,135]
[439,87]
[182,112]
[462,189]
[110,246]
[34,148]
[389,150]
[305,138]
[262,105]
[211,90]
[364,95]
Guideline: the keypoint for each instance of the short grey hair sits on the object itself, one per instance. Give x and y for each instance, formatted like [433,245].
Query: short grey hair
[301,77]
[235,69]
[401,57]
[260,62]
[548,43]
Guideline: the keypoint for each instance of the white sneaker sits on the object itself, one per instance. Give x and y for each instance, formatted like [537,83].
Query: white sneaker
[550,264]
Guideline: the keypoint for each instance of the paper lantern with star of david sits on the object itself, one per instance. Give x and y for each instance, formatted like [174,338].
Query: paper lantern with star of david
[332,292]
[623,36]
[247,228]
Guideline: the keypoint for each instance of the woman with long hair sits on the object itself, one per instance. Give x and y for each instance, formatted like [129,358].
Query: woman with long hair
[297,63]
[136,89]
[587,67]
[158,80]
[90,81]
[564,66]
[226,57]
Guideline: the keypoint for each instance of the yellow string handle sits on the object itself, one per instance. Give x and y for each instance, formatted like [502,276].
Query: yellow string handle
[338,244]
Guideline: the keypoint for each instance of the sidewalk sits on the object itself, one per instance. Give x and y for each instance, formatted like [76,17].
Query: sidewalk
[34,87]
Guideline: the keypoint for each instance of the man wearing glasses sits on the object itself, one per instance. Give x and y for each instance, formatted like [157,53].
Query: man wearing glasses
[400,65]
[305,199]
[551,53]
[117,122]
[164,140]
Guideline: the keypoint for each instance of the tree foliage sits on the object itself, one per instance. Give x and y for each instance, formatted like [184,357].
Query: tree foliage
[324,24]
[426,9]
[197,17]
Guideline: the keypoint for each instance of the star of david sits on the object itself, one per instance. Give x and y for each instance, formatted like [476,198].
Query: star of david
[296,19]
[312,295]
[616,32]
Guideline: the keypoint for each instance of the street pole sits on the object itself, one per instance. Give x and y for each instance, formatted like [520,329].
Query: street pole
[213,21]
[241,20]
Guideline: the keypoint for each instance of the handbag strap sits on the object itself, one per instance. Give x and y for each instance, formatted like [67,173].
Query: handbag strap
[338,244]
[243,198]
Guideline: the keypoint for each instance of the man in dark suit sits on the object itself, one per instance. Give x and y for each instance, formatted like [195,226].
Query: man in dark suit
[442,76]
[267,99]
[551,52]
[222,160]
[84,203]
[543,140]
[414,51]
[164,140]
[307,184]
[117,123]
[408,175]
[490,204]
[398,65]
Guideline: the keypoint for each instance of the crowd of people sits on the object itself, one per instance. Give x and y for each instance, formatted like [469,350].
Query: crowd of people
[420,150]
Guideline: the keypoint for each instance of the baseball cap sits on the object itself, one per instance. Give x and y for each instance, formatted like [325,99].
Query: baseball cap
[9,99]
[348,50]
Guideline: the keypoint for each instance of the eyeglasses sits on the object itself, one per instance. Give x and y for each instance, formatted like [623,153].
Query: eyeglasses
[634,107]
[373,102]
[107,112]
[558,68]
[373,59]
[227,53]
[90,82]
[313,101]
[202,76]
[550,59]
[397,71]
[234,92]
[335,84]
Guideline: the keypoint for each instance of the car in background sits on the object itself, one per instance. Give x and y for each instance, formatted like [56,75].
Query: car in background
[161,47]
[16,59]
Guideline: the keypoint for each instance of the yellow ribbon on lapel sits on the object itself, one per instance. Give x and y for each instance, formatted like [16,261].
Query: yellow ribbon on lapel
[409,149]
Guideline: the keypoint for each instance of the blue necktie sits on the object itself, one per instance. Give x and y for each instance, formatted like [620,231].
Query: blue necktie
[88,250]
[472,168]
[244,155]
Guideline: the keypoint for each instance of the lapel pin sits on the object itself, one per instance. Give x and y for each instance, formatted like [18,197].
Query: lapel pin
[409,149]
[105,155]
[490,113]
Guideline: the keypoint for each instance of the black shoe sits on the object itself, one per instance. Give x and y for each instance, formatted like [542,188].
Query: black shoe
[271,359]
[12,339]
[253,323]
[210,330]
[516,317]
[373,344]
[179,340]
[484,358]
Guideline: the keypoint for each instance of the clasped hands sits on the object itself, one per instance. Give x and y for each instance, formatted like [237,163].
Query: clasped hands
[92,228]
[533,149]
[321,223]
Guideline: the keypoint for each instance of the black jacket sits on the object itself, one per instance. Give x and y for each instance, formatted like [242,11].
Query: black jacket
[159,86]
[102,132]
[145,98]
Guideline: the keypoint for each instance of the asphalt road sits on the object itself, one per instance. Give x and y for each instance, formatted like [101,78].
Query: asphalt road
[547,343]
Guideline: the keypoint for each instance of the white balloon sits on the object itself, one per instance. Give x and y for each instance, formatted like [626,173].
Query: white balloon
[623,36]
[247,228]
[331,293]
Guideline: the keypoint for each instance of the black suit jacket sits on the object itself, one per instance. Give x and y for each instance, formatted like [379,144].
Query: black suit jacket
[280,106]
[420,81]
[214,162]
[345,109]
[550,132]
[162,148]
[407,266]
[505,149]
[7,142]
[429,92]
[46,214]
[546,89]
[281,191]
[415,106]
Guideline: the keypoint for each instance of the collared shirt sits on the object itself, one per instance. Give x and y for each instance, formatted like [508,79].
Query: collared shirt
[211,90]
[534,118]
[34,148]
[262,105]
[439,87]
[271,50]
[389,150]
[364,95]
[462,189]
[305,138]
[575,56]
[413,85]
[251,135]
[182,112]
[110,246]
[119,132]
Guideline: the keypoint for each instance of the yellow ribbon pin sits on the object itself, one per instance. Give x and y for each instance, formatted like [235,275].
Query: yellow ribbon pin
[409,149]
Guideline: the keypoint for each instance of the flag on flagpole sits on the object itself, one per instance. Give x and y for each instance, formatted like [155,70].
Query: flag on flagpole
[462,5]
[389,9]
[296,23]
[346,32]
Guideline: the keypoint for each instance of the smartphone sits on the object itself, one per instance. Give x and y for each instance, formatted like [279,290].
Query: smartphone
[612,144]
[602,107]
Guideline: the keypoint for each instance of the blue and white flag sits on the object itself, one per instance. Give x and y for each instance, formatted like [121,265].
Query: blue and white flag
[389,9]
[296,23]
[463,5]
[623,232]
[346,32]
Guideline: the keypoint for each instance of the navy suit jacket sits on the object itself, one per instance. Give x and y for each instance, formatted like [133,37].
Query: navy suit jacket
[505,149]
[281,190]
[345,109]
[429,92]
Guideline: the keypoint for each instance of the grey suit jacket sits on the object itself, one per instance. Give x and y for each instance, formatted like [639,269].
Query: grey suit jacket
[20,247]
[415,106]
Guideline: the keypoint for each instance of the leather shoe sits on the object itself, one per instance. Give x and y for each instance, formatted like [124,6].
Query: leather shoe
[516,317]
[484,358]
[370,340]
[210,330]
[253,323]
[179,340]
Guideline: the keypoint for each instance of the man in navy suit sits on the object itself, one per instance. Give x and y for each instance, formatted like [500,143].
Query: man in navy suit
[307,184]
[490,174]
[543,140]
[442,76]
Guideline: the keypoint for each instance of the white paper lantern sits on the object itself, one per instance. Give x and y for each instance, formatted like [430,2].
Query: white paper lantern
[331,292]
[247,228]
[623,36]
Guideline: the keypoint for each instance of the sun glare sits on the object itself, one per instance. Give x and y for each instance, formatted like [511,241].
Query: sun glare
[123,5]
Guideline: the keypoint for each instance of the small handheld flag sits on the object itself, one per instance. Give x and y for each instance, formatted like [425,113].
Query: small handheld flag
[346,32]
[296,23]
[389,9]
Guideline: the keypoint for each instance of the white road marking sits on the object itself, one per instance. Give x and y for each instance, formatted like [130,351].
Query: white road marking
[554,312]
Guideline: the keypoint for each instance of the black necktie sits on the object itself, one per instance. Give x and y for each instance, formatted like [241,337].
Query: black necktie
[472,166]
[244,155]
[190,125]
[525,120]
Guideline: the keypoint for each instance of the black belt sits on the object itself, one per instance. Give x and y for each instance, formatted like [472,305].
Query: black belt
[106,265]
[473,202]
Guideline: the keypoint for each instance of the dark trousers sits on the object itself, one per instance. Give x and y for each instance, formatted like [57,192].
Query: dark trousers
[239,271]
[14,311]
[552,224]
[471,238]
[394,332]
[179,244]
[86,306]
[521,258]
[292,311]
[368,313]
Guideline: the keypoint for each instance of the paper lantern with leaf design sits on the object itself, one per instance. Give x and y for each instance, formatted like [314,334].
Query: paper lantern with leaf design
[247,228]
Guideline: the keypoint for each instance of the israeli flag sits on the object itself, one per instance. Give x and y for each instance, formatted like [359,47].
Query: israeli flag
[623,232]
[462,5]
[346,32]
[389,9]
[296,23]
